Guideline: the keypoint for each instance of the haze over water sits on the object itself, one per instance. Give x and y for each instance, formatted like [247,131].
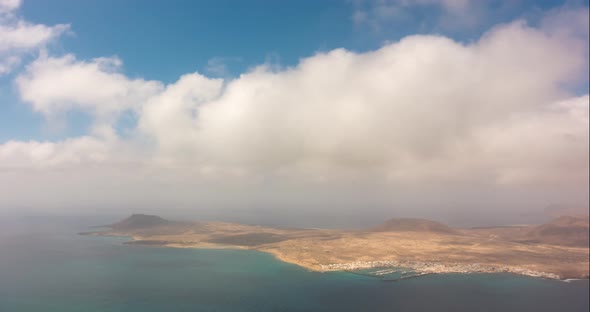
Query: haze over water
[46,266]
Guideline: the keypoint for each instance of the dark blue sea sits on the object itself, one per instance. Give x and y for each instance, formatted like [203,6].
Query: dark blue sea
[45,266]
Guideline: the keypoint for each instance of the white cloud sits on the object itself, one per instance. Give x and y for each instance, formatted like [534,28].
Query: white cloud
[406,99]
[423,113]
[549,146]
[19,37]
[7,6]
[57,85]
[24,36]
[39,155]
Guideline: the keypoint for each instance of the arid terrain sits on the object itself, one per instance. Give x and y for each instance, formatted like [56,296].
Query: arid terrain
[558,249]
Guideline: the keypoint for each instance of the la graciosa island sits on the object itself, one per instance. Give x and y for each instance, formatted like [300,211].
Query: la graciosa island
[407,247]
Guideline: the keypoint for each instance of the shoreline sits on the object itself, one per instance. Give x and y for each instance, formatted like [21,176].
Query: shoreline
[421,268]
[426,267]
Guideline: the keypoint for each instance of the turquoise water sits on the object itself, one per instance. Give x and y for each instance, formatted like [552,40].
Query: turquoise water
[45,266]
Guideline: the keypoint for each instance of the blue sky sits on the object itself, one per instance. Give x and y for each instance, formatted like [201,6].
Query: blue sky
[162,40]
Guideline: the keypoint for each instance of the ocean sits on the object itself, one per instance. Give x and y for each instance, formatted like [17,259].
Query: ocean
[45,266]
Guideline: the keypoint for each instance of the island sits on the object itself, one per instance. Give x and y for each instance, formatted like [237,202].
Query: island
[555,250]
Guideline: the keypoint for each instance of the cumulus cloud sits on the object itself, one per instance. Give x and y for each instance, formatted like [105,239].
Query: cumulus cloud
[549,146]
[407,99]
[425,114]
[7,6]
[40,155]
[56,85]
[19,37]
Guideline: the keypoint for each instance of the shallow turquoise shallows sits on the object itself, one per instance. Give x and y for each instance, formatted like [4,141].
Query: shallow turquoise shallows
[45,266]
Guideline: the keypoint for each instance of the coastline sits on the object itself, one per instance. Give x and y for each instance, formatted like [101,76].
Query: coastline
[421,268]
[424,267]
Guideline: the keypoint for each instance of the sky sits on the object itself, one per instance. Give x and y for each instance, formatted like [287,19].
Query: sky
[308,112]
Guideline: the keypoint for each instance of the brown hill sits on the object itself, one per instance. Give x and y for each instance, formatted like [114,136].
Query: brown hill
[565,230]
[413,225]
[138,222]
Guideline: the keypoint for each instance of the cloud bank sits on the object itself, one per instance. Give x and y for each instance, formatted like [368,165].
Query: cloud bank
[424,123]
